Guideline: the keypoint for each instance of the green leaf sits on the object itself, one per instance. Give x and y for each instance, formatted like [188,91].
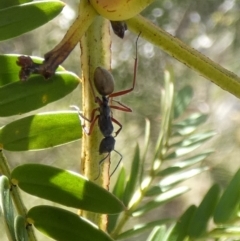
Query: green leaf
[169,170]
[118,191]
[153,191]
[199,221]
[189,144]
[65,187]
[139,228]
[228,204]
[62,225]
[157,234]
[41,131]
[9,71]
[176,178]
[173,175]
[119,186]
[21,97]
[180,166]
[7,3]
[190,124]
[20,19]
[193,160]
[179,231]
[182,100]
[6,206]
[132,181]
[20,229]
[160,200]
[229,232]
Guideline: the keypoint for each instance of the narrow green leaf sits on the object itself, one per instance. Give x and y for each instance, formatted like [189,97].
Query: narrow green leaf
[20,229]
[169,170]
[41,131]
[119,186]
[173,176]
[230,232]
[9,71]
[194,139]
[193,120]
[179,232]
[182,165]
[22,18]
[146,139]
[153,191]
[160,200]
[132,181]
[139,228]
[157,233]
[118,191]
[190,124]
[167,105]
[199,221]
[7,3]
[62,225]
[176,178]
[193,159]
[65,187]
[21,97]
[228,204]
[6,206]
[182,100]
[189,144]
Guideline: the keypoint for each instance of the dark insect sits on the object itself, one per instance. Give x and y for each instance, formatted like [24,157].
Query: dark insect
[104,84]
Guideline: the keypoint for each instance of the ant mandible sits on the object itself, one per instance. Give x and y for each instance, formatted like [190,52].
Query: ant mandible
[104,84]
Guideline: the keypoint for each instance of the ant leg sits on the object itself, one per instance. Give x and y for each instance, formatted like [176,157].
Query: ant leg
[91,126]
[122,107]
[119,124]
[118,162]
[99,164]
[92,120]
[123,92]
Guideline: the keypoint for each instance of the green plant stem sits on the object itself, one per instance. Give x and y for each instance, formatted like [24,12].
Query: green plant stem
[134,203]
[167,103]
[17,199]
[185,54]
[95,51]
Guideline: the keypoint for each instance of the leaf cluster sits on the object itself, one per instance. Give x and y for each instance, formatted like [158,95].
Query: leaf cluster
[134,195]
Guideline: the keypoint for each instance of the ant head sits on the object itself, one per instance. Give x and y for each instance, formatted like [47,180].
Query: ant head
[103,81]
[107,145]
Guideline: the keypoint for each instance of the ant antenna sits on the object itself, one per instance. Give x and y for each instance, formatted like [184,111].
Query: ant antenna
[100,163]
[118,162]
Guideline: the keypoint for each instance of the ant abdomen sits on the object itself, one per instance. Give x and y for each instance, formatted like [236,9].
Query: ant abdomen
[107,145]
[103,81]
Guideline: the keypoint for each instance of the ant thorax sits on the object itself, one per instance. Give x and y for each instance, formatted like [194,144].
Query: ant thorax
[105,120]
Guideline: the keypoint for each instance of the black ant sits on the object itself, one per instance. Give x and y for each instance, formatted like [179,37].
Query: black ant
[104,84]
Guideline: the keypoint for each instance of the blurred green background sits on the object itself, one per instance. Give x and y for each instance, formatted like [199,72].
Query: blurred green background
[212,27]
